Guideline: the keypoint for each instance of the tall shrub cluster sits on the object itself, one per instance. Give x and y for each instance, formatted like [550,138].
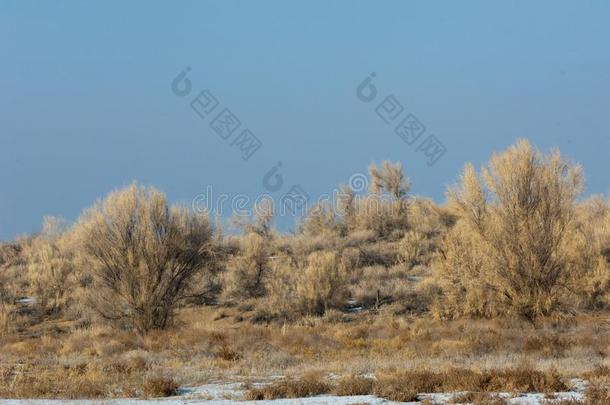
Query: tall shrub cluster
[514,238]
[144,256]
[517,247]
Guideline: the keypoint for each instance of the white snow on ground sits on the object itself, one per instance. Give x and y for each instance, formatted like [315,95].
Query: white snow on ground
[225,394]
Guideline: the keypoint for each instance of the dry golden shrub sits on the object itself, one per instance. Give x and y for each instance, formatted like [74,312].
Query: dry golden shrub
[389,177]
[414,248]
[264,212]
[404,385]
[429,218]
[319,221]
[379,214]
[159,387]
[246,271]
[145,256]
[353,385]
[310,287]
[51,272]
[516,247]
[460,273]
[322,283]
[345,209]
[594,251]
[44,269]
[375,285]
[351,259]
[281,292]
[309,385]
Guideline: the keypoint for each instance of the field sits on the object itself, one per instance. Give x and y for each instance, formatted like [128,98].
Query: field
[408,355]
[501,295]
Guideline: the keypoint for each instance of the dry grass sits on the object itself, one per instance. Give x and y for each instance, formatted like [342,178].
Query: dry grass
[406,385]
[160,387]
[353,385]
[200,348]
[522,379]
[477,356]
[309,385]
[597,395]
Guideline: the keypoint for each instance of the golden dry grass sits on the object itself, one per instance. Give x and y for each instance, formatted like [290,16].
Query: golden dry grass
[406,354]
[405,385]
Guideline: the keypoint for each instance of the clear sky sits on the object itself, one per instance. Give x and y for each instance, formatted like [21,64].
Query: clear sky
[86,101]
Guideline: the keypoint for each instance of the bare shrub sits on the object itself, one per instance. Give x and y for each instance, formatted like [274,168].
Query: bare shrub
[425,295]
[376,211]
[404,385]
[390,178]
[145,253]
[351,259]
[246,271]
[9,254]
[322,284]
[511,249]
[396,387]
[309,385]
[264,212]
[376,285]
[320,220]
[354,385]
[379,214]
[50,266]
[461,273]
[160,387]
[428,218]
[281,292]
[593,251]
[413,248]
[346,209]
[307,288]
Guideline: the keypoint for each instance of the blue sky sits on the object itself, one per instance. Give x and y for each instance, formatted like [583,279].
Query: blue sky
[86,103]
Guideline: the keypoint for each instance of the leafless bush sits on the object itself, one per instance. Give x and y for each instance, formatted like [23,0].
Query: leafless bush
[320,220]
[264,212]
[413,248]
[311,384]
[593,251]
[514,246]
[159,387]
[378,214]
[390,178]
[346,209]
[322,283]
[376,211]
[50,265]
[145,253]
[246,271]
[307,288]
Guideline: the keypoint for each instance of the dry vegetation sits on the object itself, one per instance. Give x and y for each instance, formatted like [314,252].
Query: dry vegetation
[504,288]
